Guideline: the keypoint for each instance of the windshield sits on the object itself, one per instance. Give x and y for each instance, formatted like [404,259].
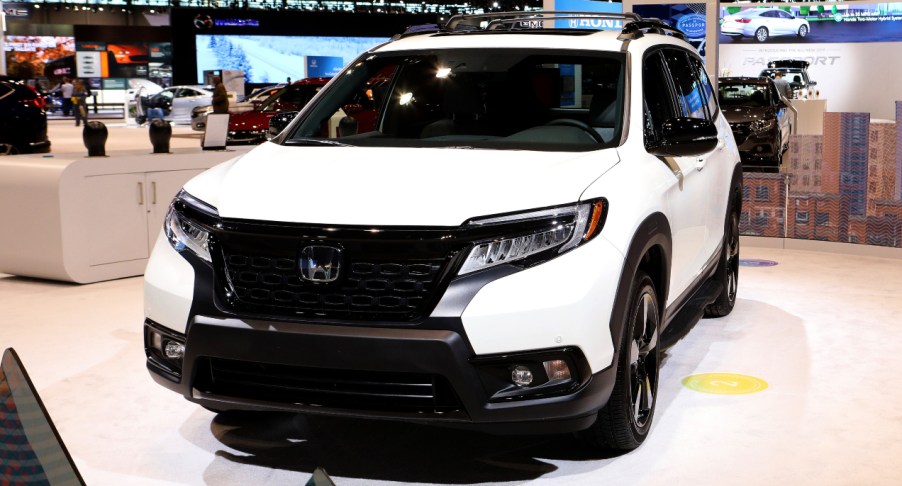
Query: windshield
[755,95]
[471,98]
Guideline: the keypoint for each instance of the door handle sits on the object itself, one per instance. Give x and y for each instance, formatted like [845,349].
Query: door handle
[140,194]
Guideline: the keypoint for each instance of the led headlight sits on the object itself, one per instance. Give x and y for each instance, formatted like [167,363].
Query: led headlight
[762,125]
[560,229]
[182,232]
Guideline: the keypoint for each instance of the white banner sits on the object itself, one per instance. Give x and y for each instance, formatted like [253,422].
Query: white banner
[855,77]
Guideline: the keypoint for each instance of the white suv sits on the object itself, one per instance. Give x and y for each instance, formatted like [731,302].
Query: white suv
[489,225]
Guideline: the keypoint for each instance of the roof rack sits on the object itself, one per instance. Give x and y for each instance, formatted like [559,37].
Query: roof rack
[634,26]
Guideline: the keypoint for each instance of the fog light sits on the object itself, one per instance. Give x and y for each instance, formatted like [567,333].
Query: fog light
[521,376]
[174,350]
[557,370]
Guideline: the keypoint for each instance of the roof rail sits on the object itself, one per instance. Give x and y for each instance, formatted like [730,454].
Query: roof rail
[494,20]
[634,26]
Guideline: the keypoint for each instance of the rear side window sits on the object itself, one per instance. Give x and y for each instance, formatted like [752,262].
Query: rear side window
[705,87]
[691,99]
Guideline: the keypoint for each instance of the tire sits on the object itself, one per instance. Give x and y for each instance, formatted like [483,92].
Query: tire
[761,34]
[803,31]
[728,268]
[624,422]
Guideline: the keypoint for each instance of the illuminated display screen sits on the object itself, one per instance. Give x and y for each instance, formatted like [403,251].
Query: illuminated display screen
[275,59]
[814,24]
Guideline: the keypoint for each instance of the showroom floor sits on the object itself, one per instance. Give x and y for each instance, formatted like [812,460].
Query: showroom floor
[821,329]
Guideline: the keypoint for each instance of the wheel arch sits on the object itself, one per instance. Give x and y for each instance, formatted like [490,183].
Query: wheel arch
[650,250]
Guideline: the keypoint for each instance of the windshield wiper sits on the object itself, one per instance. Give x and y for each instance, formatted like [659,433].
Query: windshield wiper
[316,141]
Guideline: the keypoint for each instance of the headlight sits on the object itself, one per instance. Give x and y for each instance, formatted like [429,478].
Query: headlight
[554,230]
[762,125]
[184,233]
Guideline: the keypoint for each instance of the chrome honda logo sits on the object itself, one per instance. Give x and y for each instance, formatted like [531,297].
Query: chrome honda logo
[320,263]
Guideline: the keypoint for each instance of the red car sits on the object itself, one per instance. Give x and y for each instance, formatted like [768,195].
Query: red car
[251,126]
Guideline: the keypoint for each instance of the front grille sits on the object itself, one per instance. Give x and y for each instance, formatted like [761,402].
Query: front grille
[345,389]
[272,284]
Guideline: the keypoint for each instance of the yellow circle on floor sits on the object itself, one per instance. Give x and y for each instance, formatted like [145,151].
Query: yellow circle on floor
[724,383]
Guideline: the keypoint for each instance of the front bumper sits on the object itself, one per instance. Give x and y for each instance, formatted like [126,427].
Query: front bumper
[421,375]
[484,324]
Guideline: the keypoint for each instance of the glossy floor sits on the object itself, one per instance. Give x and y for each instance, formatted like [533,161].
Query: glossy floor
[823,330]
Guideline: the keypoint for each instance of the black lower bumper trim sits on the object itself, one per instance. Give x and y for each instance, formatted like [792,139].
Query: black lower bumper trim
[418,375]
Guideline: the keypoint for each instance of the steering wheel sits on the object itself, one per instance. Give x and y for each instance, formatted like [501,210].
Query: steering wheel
[570,122]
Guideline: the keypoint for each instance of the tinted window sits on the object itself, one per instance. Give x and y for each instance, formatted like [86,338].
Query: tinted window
[659,106]
[690,98]
[707,90]
[539,99]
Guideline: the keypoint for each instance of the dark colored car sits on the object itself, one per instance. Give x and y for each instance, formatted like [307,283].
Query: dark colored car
[760,120]
[795,71]
[23,119]
[251,126]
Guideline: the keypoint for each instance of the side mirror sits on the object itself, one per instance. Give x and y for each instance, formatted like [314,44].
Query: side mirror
[278,123]
[685,137]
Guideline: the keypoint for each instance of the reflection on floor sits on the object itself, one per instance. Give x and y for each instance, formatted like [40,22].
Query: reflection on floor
[823,330]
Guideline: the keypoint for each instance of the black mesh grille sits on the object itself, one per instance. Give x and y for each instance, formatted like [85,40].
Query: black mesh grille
[365,289]
[346,389]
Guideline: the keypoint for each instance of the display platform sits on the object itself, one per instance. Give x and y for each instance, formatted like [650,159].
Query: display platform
[820,329]
[86,219]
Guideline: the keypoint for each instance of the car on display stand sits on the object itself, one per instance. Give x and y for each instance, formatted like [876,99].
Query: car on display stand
[250,102]
[23,119]
[528,221]
[177,102]
[761,120]
[251,127]
[763,23]
[795,71]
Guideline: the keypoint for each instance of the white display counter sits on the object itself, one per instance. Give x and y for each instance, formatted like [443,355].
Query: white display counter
[87,219]
[811,116]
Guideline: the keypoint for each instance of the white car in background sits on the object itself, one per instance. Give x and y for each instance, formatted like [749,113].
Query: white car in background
[181,100]
[764,23]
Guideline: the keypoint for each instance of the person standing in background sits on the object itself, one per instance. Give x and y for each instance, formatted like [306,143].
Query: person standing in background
[66,92]
[783,86]
[80,93]
[220,97]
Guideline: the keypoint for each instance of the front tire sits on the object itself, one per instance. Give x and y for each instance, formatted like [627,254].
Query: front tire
[624,422]
[728,268]
[761,34]
[803,31]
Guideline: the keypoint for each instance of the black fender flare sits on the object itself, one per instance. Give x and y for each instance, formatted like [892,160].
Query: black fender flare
[653,232]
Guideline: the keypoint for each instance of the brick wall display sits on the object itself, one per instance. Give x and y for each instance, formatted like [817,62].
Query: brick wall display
[842,186]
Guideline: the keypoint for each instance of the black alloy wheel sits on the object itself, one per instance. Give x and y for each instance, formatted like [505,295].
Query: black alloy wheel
[624,422]
[644,359]
[728,268]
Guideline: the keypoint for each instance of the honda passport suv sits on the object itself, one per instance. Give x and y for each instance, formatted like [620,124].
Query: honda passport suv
[526,219]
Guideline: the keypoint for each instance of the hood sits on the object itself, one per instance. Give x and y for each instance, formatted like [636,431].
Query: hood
[394,186]
[250,120]
[745,114]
